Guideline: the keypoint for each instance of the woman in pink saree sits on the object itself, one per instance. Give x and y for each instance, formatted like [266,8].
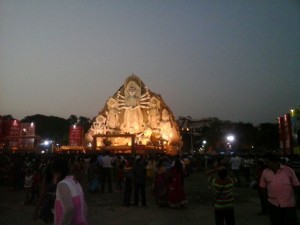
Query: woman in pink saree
[70,206]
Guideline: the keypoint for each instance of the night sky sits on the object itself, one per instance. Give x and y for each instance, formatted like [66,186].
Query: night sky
[235,60]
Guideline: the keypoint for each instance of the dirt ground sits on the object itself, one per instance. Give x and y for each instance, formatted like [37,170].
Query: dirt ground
[107,209]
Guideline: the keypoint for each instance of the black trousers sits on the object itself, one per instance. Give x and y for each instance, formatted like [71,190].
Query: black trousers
[224,215]
[127,191]
[139,188]
[106,179]
[282,216]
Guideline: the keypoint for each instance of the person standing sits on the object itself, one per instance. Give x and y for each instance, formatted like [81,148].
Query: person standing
[160,184]
[127,182]
[278,182]
[45,204]
[151,168]
[261,166]
[93,175]
[70,206]
[119,174]
[28,185]
[139,178]
[222,186]
[36,181]
[235,162]
[107,172]
[247,164]
[176,192]
[295,165]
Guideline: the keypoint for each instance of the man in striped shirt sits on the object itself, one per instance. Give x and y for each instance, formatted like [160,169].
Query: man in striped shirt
[222,185]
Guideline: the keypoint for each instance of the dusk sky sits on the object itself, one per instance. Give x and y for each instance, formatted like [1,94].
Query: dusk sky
[235,60]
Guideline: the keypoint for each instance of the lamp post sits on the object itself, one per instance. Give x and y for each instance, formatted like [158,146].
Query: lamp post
[190,130]
[192,141]
[189,125]
[230,138]
[204,142]
[187,130]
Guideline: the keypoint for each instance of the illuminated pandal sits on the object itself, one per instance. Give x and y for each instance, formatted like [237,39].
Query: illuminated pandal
[135,119]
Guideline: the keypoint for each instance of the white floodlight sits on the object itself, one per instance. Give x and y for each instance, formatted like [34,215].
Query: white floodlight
[230,138]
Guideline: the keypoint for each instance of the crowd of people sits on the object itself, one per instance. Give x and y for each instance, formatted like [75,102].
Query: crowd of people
[132,174]
[55,183]
[276,179]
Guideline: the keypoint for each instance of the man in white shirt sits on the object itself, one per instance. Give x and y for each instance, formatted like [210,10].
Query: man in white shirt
[107,172]
[235,163]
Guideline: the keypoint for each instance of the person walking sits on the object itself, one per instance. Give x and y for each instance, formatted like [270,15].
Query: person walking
[70,206]
[278,182]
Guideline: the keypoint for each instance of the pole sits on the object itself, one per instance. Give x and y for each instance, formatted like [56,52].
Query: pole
[192,144]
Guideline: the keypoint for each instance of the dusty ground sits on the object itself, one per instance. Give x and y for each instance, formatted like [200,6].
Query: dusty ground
[107,209]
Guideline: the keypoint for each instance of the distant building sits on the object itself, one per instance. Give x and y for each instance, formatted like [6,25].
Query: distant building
[15,135]
[27,135]
[192,133]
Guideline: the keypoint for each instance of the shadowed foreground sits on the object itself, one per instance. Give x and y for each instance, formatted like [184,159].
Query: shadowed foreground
[107,209]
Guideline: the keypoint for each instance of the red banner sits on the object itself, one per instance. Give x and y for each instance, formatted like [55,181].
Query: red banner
[76,135]
[12,133]
[12,128]
[281,133]
[288,133]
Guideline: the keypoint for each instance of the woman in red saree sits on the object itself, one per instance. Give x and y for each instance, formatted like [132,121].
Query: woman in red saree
[160,189]
[176,193]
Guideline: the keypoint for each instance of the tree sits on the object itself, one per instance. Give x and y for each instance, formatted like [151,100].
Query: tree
[268,137]
[264,137]
[50,127]
[8,117]
[72,120]
[214,133]
[85,123]
[246,135]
